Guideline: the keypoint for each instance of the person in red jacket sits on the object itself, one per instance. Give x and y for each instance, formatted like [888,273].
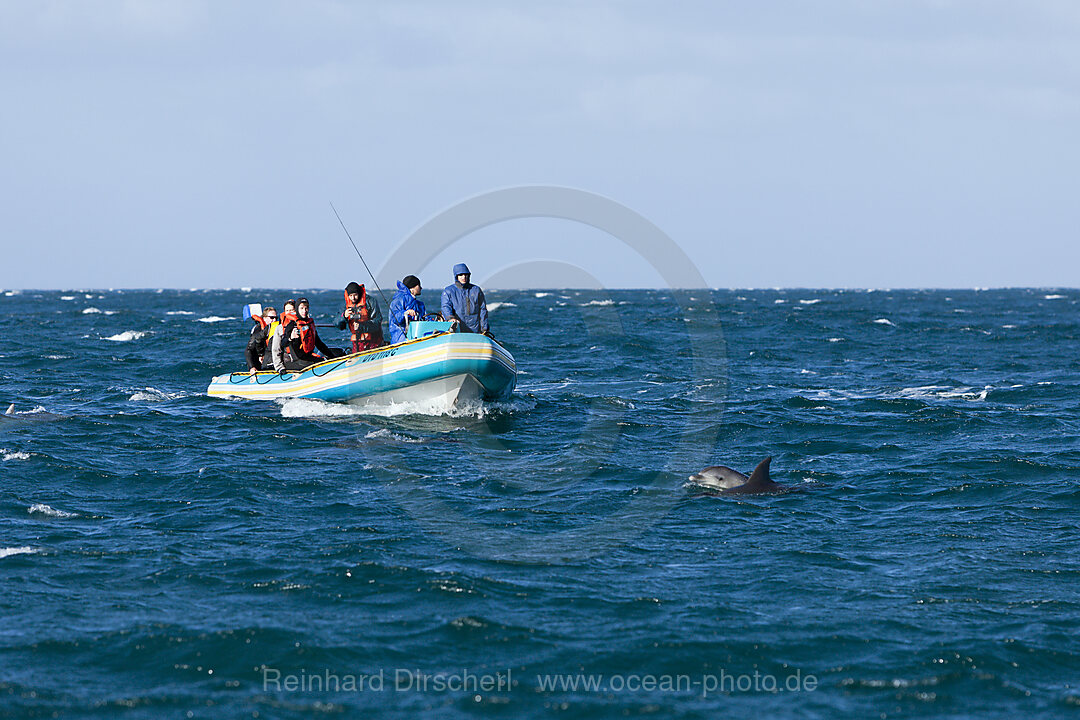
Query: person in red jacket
[363,318]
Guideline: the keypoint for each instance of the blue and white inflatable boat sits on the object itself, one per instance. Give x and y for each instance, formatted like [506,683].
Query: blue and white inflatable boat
[435,365]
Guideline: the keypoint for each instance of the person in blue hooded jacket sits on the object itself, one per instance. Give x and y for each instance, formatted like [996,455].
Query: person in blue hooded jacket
[405,306]
[464,302]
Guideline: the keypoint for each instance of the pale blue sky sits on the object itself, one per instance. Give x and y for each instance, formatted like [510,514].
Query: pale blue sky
[837,143]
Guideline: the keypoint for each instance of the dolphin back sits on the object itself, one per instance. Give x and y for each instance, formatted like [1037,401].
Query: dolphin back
[759,482]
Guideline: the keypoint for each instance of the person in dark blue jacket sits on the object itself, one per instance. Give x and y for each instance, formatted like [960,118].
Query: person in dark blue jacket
[464,302]
[405,306]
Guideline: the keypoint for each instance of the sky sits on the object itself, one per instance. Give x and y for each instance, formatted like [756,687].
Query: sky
[834,143]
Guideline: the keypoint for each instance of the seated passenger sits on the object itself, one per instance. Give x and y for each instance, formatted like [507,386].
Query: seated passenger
[259,340]
[281,355]
[303,338]
[363,318]
[405,307]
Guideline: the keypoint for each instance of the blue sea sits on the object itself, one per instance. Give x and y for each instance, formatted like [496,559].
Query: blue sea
[168,555]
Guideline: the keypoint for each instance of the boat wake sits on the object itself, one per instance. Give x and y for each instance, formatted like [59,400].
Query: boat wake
[303,407]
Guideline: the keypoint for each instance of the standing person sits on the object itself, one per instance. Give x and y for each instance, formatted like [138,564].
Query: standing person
[261,336]
[363,318]
[464,302]
[405,306]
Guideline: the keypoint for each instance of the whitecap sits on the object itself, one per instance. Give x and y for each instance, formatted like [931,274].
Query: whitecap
[1008,327]
[493,306]
[14,455]
[9,551]
[179,312]
[57,357]
[43,509]
[779,301]
[245,290]
[215,319]
[602,303]
[91,311]
[1053,297]
[384,433]
[810,302]
[67,297]
[150,394]
[836,339]
[542,295]
[126,336]
[884,321]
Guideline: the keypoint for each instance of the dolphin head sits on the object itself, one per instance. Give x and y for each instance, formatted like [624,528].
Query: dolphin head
[719,477]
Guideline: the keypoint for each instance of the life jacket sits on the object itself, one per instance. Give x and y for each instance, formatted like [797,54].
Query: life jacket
[355,316]
[260,320]
[306,326]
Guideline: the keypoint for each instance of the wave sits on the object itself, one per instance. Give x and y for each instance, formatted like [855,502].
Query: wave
[179,312]
[25,550]
[67,297]
[493,306]
[150,394]
[215,319]
[810,302]
[602,303]
[15,455]
[922,392]
[43,509]
[542,295]
[929,392]
[126,336]
[95,311]
[388,434]
[1053,297]
[884,321]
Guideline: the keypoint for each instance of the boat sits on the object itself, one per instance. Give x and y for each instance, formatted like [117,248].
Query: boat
[436,364]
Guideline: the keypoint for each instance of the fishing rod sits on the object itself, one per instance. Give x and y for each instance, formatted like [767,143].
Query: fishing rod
[370,274]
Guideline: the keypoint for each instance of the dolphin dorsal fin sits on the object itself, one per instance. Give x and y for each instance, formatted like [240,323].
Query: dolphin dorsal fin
[11,409]
[760,477]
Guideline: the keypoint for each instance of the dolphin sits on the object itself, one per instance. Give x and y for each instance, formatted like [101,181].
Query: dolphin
[732,482]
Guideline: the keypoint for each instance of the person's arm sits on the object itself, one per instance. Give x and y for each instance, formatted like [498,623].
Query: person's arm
[483,310]
[321,346]
[277,351]
[297,345]
[397,313]
[374,312]
[252,350]
[341,322]
[448,305]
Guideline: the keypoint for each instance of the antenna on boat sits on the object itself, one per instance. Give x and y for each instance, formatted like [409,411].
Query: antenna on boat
[370,274]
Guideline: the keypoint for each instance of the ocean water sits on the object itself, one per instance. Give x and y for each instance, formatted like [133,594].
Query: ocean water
[165,554]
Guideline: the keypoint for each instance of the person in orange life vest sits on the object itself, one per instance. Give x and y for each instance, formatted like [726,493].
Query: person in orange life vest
[303,338]
[363,318]
[261,335]
[280,351]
